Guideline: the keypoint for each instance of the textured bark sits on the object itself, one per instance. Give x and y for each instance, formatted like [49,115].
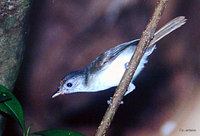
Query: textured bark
[134,62]
[12,16]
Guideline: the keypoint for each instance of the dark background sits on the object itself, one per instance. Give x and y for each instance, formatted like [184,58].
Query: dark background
[66,35]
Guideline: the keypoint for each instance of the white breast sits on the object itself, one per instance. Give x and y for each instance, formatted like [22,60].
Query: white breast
[112,75]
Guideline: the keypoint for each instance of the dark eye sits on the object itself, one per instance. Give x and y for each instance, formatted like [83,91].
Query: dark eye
[69,84]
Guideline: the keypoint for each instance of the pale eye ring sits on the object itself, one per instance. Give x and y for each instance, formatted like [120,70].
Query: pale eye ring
[69,84]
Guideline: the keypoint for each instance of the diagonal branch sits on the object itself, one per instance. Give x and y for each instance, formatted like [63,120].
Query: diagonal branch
[139,52]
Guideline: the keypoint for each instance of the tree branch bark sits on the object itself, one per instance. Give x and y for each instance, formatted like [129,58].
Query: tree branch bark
[12,17]
[139,52]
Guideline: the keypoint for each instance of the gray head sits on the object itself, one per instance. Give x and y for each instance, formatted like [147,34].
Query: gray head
[73,82]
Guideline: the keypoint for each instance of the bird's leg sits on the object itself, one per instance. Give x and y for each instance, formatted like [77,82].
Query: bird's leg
[131,87]
[126,65]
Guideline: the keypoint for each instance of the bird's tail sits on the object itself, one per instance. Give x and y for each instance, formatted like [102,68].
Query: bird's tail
[168,28]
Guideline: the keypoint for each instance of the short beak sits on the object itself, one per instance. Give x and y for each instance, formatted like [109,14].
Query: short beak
[58,93]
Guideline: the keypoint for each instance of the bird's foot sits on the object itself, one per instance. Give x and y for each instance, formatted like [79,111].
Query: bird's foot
[109,101]
[126,65]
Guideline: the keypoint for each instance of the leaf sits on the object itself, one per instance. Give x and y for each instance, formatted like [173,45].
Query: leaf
[57,132]
[4,96]
[28,130]
[12,107]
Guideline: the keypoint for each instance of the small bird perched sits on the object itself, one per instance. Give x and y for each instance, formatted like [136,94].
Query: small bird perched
[108,68]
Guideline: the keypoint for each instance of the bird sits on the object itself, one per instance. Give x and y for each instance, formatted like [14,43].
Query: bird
[107,69]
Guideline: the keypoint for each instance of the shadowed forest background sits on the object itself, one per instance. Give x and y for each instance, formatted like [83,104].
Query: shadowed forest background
[66,35]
